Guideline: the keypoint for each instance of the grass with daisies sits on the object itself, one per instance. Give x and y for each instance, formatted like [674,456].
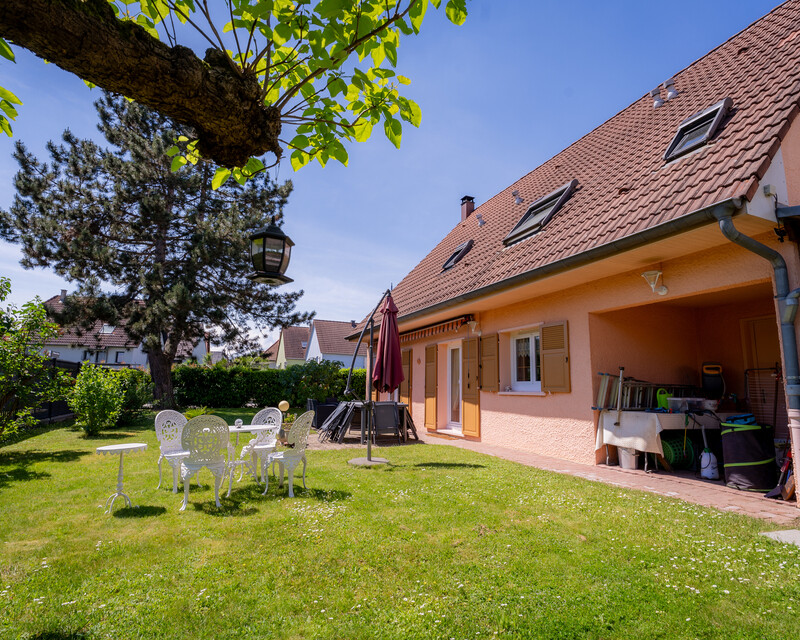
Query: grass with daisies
[440,543]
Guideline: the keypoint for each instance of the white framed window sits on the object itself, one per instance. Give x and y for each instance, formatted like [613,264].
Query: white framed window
[119,357]
[526,366]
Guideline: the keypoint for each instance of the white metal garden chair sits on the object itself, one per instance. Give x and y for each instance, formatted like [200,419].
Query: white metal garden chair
[266,441]
[169,427]
[206,439]
[290,458]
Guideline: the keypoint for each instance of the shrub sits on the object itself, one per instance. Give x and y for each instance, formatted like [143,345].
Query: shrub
[312,379]
[137,390]
[236,386]
[96,399]
[25,378]
[193,412]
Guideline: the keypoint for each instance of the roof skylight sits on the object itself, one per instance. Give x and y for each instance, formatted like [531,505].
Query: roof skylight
[698,129]
[460,252]
[540,213]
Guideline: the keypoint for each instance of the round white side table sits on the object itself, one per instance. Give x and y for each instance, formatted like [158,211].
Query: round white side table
[121,449]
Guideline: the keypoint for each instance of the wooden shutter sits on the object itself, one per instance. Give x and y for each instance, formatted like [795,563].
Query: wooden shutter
[470,392]
[405,385]
[490,370]
[430,387]
[554,344]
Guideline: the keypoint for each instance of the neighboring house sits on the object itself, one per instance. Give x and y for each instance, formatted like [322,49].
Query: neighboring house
[328,342]
[506,323]
[107,344]
[271,354]
[292,346]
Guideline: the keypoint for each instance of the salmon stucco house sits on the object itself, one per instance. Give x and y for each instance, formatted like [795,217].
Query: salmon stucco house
[507,322]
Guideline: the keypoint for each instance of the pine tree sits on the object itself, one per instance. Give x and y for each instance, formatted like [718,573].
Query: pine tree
[172,251]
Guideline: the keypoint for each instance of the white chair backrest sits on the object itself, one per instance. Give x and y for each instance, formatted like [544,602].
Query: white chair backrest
[298,434]
[270,416]
[206,439]
[169,426]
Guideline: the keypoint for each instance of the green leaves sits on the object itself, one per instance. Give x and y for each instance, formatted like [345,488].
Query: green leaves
[7,99]
[302,53]
[221,176]
[456,11]
[393,130]
[6,51]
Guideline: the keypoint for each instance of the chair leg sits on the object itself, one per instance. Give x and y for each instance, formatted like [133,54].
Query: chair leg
[230,483]
[160,458]
[217,480]
[186,482]
[304,472]
[175,472]
[291,481]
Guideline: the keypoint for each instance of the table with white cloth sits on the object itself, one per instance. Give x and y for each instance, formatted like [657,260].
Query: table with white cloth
[636,430]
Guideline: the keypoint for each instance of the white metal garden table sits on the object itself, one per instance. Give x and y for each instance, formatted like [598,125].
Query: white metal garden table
[121,449]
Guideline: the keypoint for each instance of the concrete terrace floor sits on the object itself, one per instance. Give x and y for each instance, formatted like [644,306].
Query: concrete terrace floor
[681,485]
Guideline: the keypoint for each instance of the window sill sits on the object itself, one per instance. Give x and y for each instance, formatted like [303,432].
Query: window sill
[521,393]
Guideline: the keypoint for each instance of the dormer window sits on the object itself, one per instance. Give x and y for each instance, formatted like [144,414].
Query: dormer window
[460,252]
[107,328]
[540,213]
[698,129]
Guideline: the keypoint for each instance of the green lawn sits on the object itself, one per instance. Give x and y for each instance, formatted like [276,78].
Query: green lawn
[442,543]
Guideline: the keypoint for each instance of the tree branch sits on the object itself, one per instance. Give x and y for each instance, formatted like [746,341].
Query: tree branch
[85,38]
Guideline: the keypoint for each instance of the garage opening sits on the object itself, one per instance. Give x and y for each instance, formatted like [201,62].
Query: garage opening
[720,346]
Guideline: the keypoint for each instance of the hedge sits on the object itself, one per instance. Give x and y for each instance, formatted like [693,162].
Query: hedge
[237,386]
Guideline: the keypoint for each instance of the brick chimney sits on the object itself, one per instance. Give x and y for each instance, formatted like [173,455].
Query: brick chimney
[467,207]
[63,296]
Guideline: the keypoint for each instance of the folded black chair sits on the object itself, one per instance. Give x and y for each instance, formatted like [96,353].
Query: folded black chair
[386,420]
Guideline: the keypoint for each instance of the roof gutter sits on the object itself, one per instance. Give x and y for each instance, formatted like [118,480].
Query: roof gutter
[690,221]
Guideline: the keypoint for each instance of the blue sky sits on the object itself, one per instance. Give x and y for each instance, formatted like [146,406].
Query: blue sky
[518,82]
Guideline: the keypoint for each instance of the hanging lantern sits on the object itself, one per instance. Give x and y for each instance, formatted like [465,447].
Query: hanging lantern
[270,249]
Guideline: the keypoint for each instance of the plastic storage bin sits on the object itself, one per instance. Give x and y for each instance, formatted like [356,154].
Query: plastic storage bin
[748,455]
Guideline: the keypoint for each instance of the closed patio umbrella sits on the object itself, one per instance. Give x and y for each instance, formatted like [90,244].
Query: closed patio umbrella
[388,372]
[387,369]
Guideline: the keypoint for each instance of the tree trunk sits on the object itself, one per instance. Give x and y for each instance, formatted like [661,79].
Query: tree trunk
[161,372]
[85,38]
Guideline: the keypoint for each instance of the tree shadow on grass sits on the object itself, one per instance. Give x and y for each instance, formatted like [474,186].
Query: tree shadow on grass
[57,634]
[449,465]
[20,474]
[21,460]
[141,511]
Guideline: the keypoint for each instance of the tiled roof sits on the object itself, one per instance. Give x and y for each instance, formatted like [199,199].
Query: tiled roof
[293,339]
[331,335]
[93,338]
[271,351]
[624,185]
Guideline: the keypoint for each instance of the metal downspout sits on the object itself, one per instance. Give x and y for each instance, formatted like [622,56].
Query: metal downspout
[787,310]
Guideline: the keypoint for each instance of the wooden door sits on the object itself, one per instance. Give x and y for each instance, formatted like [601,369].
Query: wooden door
[470,389]
[405,385]
[430,387]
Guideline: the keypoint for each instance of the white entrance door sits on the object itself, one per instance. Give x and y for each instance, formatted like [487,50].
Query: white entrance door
[454,387]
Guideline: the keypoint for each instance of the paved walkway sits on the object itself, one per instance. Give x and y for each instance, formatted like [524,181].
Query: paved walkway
[686,487]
